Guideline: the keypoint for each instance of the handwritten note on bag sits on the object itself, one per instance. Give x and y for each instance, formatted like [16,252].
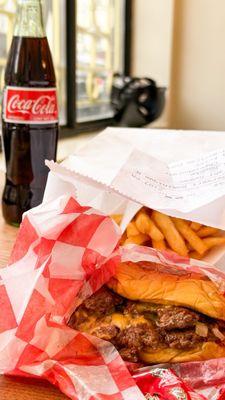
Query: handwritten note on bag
[184,185]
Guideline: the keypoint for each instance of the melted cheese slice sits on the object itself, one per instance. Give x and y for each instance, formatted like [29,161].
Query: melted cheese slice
[124,321]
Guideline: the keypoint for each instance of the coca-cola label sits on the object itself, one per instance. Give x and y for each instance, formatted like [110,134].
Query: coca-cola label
[30,105]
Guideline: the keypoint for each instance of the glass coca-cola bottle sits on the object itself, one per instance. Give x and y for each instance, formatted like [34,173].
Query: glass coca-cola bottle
[29,113]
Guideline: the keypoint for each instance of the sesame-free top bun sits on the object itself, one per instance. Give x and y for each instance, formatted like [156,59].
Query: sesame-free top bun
[135,282]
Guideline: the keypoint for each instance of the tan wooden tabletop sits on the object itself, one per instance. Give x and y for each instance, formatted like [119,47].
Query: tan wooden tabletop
[17,388]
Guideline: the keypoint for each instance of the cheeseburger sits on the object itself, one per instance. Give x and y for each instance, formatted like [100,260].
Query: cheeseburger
[153,317]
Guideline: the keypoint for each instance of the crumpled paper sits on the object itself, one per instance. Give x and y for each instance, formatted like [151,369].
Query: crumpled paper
[163,384]
[65,252]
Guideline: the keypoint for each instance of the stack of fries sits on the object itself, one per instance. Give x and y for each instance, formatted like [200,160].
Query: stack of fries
[186,238]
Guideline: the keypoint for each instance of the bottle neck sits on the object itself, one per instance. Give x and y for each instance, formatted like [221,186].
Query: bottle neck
[29,20]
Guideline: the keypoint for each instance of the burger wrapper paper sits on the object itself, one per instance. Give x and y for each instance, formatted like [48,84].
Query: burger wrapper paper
[181,173]
[64,253]
[164,384]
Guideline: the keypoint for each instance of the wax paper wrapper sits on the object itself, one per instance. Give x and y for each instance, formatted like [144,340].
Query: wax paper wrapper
[181,173]
[65,252]
[164,384]
[178,381]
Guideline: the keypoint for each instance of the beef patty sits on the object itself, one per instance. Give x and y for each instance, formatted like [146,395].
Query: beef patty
[134,326]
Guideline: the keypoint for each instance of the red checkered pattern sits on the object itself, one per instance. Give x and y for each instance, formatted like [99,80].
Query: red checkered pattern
[163,383]
[63,254]
[208,377]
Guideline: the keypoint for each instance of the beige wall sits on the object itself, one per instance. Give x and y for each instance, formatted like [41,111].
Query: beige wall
[152,42]
[181,44]
[152,36]
[198,65]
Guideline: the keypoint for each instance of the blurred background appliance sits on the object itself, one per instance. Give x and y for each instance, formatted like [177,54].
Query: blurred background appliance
[136,101]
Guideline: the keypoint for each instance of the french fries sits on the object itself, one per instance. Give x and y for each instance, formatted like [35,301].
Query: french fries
[171,234]
[155,229]
[138,239]
[145,225]
[159,244]
[213,241]
[190,235]
[195,254]
[207,231]
[132,230]
[195,226]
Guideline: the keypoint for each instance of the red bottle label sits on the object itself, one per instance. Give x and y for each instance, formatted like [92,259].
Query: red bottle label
[30,105]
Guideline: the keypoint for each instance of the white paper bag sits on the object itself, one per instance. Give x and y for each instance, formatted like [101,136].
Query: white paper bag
[181,173]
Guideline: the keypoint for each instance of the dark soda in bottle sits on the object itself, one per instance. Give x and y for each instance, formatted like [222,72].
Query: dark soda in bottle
[29,113]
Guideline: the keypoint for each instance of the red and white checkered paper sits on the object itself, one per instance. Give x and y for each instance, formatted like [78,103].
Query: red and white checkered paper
[65,252]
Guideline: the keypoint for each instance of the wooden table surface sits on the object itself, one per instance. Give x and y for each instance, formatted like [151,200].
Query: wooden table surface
[17,388]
